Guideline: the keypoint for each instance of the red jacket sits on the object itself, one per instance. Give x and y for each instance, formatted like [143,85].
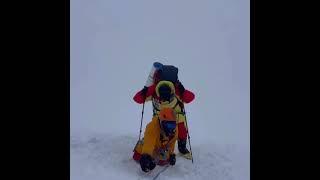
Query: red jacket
[186,97]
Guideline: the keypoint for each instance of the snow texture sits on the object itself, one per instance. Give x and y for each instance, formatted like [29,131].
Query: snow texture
[107,156]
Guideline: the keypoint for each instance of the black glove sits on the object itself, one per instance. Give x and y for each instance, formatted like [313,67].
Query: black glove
[172,159]
[144,91]
[181,87]
[147,163]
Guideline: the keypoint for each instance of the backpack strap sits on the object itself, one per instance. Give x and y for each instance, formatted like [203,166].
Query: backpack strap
[154,108]
[180,103]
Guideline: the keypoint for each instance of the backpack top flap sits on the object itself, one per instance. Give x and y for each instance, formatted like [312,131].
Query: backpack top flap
[169,73]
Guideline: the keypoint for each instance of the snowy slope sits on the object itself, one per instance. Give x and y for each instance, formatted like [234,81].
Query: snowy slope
[108,156]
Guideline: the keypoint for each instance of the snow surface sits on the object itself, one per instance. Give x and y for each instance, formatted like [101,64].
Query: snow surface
[108,156]
[113,46]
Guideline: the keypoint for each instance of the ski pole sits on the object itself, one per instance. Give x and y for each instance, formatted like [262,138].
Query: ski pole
[184,111]
[165,168]
[141,120]
[140,127]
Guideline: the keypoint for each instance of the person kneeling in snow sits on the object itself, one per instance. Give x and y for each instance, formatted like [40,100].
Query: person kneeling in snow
[157,146]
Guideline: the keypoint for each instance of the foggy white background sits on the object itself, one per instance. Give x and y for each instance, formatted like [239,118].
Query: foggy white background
[114,43]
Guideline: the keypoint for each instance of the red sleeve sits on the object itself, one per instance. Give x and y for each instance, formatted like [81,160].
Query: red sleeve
[139,98]
[187,95]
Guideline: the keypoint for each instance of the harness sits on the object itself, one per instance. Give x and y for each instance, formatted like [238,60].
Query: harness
[156,110]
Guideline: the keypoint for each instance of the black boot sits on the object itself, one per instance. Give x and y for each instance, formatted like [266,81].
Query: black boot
[182,146]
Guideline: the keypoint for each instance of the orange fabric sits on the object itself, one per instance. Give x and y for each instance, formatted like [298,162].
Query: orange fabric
[167,114]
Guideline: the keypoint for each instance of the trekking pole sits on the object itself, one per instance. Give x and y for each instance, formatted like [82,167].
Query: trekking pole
[165,168]
[184,111]
[140,127]
[141,120]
